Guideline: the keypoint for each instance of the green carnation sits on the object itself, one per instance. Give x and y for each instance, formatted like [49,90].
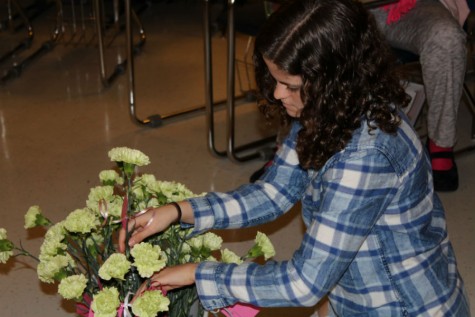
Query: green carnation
[147,259]
[53,242]
[202,246]
[106,302]
[212,241]
[185,258]
[185,248]
[94,239]
[114,208]
[6,246]
[110,177]
[196,243]
[173,191]
[56,232]
[72,286]
[102,200]
[263,246]
[80,221]
[228,256]
[130,156]
[99,196]
[54,268]
[51,248]
[5,255]
[146,181]
[116,266]
[153,202]
[211,259]
[33,218]
[150,303]
[164,256]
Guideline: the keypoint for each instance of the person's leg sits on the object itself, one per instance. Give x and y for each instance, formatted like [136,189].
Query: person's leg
[430,31]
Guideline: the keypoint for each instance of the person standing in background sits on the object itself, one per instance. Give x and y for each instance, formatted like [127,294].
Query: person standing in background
[432,29]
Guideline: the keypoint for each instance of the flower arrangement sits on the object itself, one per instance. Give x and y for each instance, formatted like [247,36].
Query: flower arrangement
[81,254]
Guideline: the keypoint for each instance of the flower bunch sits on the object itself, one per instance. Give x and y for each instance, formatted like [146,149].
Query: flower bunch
[80,252]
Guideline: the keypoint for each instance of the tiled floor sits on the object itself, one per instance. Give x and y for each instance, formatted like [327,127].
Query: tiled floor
[57,124]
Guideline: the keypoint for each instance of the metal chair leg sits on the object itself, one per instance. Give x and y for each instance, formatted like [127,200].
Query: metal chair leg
[232,150]
[151,121]
[25,43]
[470,102]
[209,103]
[245,63]
[16,70]
[120,68]
[158,120]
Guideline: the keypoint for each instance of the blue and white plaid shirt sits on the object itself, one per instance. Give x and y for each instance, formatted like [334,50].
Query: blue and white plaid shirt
[376,239]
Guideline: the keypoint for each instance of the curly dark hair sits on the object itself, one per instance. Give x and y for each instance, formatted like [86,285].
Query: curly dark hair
[346,69]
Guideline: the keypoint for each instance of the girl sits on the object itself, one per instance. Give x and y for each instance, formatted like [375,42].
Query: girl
[376,240]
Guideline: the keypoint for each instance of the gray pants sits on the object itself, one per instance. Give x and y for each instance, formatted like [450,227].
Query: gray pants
[430,31]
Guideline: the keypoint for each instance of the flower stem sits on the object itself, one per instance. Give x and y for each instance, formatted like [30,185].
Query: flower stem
[23,252]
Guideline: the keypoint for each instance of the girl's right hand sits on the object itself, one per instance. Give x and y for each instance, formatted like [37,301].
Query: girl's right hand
[152,221]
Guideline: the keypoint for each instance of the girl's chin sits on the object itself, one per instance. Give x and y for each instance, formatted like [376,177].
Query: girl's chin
[293,114]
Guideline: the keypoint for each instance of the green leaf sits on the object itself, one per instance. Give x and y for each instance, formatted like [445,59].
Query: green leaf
[6,245]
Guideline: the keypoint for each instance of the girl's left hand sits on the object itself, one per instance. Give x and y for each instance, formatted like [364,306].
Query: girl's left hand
[170,278]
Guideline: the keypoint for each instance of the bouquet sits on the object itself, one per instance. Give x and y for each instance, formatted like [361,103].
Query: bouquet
[81,254]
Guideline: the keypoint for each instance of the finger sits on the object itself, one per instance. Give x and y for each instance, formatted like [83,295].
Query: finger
[123,234]
[140,290]
[164,287]
[135,226]
[167,288]
[122,240]
[138,236]
[145,228]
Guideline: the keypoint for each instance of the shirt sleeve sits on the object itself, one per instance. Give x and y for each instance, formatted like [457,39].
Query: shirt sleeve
[283,185]
[353,193]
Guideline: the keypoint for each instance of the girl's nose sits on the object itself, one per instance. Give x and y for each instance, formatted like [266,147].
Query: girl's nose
[280,91]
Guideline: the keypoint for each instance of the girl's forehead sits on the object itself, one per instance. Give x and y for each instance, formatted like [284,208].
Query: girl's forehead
[281,75]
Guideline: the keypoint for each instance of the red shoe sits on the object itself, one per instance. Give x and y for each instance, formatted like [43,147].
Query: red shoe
[444,180]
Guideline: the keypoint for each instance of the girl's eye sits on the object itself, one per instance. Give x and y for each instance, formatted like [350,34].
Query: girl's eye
[293,88]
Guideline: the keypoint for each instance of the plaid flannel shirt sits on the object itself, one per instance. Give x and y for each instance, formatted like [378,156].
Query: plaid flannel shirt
[375,240]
